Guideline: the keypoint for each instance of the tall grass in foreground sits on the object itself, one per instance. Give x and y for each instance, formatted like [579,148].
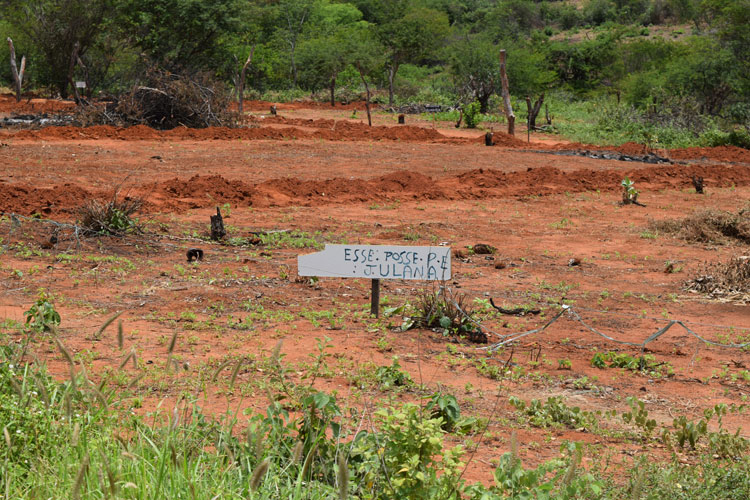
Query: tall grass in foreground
[75,440]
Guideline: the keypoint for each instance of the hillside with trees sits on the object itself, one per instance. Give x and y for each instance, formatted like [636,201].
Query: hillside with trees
[673,72]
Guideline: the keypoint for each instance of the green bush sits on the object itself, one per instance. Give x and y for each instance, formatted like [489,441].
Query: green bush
[471,115]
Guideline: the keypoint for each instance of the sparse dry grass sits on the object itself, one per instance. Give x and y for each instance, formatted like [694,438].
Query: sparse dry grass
[709,226]
[112,217]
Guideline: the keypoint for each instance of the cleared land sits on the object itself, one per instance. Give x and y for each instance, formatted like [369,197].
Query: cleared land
[314,175]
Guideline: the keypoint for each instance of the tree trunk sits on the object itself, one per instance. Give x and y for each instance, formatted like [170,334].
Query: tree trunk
[241,89]
[217,226]
[391,77]
[294,68]
[333,91]
[535,111]
[506,96]
[71,67]
[17,76]
[367,98]
[484,103]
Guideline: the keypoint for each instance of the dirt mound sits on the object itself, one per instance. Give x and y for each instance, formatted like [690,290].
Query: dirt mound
[8,104]
[210,190]
[721,153]
[28,200]
[339,131]
[505,140]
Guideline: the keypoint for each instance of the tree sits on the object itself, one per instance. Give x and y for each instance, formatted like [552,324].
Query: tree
[56,27]
[294,15]
[183,35]
[365,54]
[475,71]
[325,53]
[411,38]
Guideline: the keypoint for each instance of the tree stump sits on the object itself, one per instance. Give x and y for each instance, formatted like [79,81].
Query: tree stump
[217,226]
[401,119]
[698,183]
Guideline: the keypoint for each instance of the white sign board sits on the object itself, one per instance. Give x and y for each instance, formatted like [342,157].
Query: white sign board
[80,85]
[378,262]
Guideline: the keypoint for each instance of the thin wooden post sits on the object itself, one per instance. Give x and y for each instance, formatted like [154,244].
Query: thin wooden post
[375,299]
[528,119]
[506,96]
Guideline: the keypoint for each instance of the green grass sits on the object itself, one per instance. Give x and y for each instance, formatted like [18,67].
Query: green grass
[78,439]
[600,121]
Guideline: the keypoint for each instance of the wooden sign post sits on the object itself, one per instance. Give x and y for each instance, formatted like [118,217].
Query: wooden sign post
[378,262]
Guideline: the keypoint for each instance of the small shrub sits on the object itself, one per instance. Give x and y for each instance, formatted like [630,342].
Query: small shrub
[391,376]
[472,115]
[42,315]
[448,310]
[114,217]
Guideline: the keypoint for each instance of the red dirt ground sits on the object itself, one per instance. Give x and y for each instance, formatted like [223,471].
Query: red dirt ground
[315,171]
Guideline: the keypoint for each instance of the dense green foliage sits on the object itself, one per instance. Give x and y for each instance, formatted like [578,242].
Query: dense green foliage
[678,65]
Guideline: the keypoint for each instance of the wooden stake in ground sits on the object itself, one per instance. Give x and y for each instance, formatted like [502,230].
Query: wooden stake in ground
[17,75]
[241,83]
[506,96]
[217,226]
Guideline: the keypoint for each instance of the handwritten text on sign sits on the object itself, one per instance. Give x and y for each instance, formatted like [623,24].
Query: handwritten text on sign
[378,262]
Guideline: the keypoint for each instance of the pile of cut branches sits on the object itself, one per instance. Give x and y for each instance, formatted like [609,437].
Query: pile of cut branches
[729,281]
[165,101]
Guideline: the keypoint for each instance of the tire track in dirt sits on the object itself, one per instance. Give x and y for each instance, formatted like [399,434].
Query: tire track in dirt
[201,191]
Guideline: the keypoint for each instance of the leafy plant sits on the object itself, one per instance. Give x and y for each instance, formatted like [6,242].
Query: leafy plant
[472,114]
[391,376]
[638,416]
[555,412]
[42,315]
[629,192]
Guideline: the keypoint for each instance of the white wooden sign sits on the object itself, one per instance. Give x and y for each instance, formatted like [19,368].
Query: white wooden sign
[378,262]
[80,85]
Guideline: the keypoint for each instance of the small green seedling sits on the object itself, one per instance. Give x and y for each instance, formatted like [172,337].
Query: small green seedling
[629,192]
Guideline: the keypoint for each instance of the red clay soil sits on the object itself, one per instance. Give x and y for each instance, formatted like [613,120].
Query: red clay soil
[341,131]
[28,105]
[201,191]
[720,153]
